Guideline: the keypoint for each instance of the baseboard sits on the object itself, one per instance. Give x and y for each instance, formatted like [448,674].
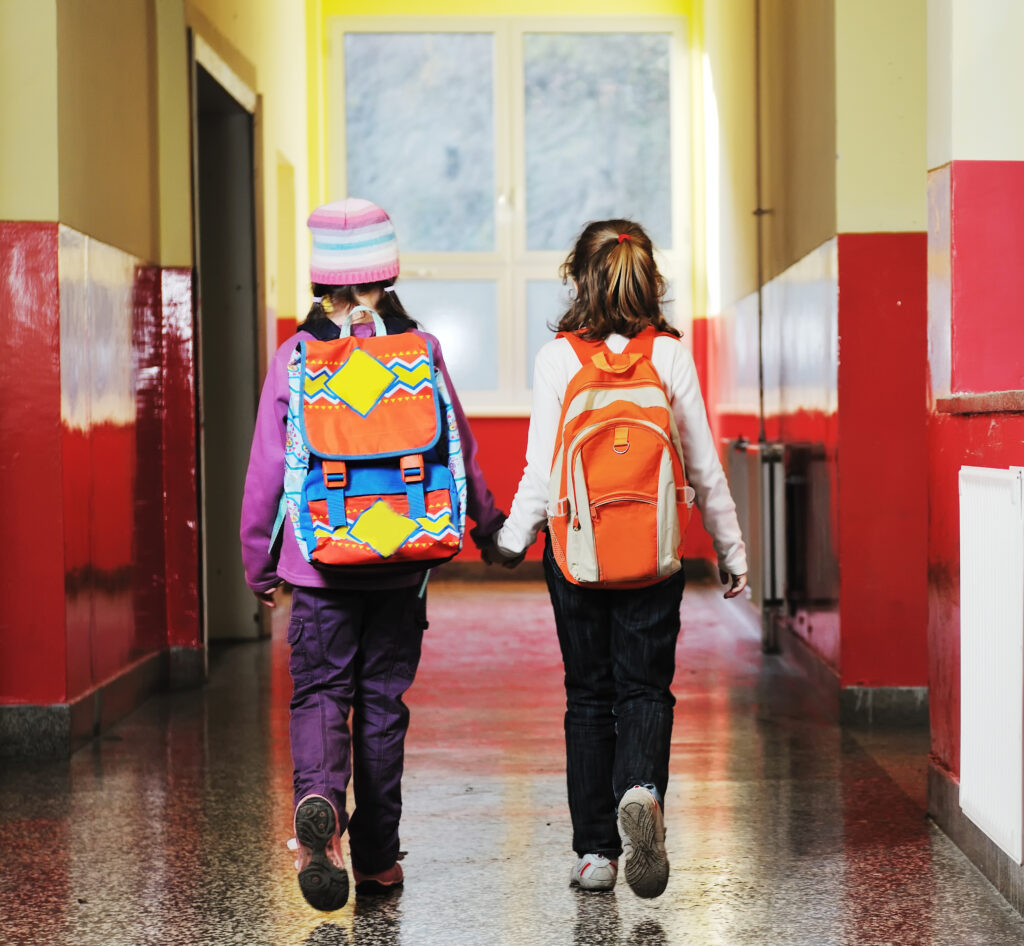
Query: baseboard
[905,707]
[186,668]
[853,706]
[1002,871]
[57,730]
[823,680]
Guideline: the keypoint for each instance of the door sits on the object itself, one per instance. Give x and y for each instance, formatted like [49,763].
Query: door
[227,345]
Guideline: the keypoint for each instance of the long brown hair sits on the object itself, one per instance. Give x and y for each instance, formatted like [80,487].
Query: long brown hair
[617,284]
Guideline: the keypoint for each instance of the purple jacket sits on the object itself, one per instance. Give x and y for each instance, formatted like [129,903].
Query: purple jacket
[264,484]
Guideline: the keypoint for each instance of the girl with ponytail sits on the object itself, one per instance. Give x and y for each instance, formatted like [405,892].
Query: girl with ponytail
[618,645]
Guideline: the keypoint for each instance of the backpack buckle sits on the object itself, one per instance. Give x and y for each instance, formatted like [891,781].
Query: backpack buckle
[335,474]
[412,468]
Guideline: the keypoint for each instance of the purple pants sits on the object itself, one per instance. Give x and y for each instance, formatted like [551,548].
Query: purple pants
[354,650]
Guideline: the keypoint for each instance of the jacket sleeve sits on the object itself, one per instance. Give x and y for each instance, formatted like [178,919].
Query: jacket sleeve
[703,466]
[264,479]
[479,500]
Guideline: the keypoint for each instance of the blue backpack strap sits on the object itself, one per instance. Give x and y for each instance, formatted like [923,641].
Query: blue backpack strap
[379,328]
[336,481]
[413,474]
[282,509]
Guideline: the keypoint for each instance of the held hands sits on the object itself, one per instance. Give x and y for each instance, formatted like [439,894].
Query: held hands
[494,554]
[736,583]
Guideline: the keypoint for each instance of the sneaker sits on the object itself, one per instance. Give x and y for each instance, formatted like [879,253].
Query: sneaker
[594,872]
[319,861]
[383,882]
[642,830]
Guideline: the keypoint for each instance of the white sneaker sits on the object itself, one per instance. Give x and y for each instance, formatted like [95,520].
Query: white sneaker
[594,872]
[642,830]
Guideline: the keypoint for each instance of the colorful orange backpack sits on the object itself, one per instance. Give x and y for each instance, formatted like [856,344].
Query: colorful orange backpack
[619,503]
[374,472]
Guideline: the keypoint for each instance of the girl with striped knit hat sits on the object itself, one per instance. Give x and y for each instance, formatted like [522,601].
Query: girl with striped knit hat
[355,639]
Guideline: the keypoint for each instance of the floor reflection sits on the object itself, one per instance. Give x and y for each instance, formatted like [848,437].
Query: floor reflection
[782,828]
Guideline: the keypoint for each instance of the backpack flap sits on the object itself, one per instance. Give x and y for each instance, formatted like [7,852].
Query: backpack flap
[369,397]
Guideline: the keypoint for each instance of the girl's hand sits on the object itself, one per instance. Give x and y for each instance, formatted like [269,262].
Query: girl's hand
[494,554]
[736,583]
[267,597]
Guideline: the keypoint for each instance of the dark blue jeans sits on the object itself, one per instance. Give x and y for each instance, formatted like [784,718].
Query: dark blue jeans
[358,651]
[619,653]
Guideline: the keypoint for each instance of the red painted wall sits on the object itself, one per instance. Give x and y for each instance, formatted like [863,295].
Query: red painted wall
[180,526]
[882,456]
[32,645]
[845,355]
[98,474]
[990,440]
[976,244]
[987,232]
[799,311]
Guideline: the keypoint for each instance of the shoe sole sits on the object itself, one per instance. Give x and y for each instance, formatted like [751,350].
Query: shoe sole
[647,867]
[324,885]
[600,886]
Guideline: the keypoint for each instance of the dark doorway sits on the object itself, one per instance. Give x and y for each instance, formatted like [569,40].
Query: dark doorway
[227,346]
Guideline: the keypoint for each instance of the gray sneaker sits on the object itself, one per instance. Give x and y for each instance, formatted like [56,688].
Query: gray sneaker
[642,830]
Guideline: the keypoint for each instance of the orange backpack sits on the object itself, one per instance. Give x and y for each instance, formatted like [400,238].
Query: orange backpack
[619,503]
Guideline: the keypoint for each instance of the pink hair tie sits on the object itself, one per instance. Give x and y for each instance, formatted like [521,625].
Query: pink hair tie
[624,236]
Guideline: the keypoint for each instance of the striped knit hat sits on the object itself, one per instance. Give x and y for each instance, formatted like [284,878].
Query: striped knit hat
[353,243]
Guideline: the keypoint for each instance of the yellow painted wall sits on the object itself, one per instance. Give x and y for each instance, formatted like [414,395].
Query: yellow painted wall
[975,81]
[798,116]
[28,110]
[265,44]
[726,142]
[798,111]
[174,145]
[96,121]
[107,120]
[505,8]
[881,115]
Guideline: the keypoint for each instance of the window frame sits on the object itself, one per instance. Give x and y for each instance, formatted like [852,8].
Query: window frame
[510,265]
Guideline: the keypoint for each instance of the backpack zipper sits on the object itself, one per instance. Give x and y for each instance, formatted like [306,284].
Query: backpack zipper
[577,446]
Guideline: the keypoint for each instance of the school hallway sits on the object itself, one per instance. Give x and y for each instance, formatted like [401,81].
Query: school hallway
[782,827]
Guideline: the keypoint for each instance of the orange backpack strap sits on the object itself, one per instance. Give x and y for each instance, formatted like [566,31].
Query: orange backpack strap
[585,350]
[643,344]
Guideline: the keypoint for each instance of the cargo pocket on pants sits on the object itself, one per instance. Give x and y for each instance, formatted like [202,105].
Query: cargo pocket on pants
[298,662]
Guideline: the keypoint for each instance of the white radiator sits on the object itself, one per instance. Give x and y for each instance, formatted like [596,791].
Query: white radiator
[992,653]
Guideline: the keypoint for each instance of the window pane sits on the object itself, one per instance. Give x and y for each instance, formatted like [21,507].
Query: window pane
[546,302]
[419,132]
[464,317]
[597,134]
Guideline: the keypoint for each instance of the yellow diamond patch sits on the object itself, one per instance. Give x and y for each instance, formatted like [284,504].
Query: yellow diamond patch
[361,381]
[381,528]
[314,385]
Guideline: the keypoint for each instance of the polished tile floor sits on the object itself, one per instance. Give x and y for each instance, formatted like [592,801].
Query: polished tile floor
[782,828]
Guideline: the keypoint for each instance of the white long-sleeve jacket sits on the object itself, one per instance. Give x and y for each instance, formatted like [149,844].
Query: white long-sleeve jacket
[555,365]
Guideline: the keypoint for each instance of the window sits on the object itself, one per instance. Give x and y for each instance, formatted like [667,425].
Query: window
[491,142]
